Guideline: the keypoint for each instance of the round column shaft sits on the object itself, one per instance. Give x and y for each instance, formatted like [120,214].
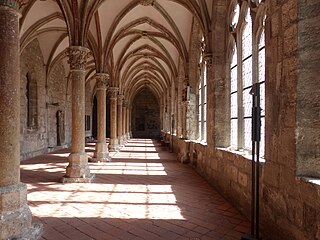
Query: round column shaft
[113,145]
[78,168]
[15,215]
[101,153]
[119,111]
[124,122]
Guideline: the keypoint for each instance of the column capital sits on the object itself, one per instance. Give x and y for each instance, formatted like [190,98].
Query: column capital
[15,4]
[120,99]
[208,59]
[78,57]
[125,103]
[102,80]
[113,92]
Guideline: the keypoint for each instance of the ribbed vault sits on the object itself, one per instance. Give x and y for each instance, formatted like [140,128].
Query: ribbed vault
[137,42]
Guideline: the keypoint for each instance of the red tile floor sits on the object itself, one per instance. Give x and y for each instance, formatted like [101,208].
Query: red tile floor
[143,193]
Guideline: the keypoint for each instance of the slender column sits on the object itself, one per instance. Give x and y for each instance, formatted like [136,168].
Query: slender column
[210,138]
[119,111]
[15,215]
[101,153]
[184,119]
[128,122]
[124,122]
[78,168]
[114,145]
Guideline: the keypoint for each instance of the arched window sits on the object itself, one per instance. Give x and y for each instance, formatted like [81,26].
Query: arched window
[202,96]
[32,97]
[242,76]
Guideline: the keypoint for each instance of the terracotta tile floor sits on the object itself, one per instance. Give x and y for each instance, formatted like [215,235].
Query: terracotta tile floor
[144,193]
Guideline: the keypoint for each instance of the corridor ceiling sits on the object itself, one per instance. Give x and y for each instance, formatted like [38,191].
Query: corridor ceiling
[138,42]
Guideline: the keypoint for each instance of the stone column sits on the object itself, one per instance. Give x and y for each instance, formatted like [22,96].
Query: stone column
[101,153]
[184,119]
[128,122]
[78,168]
[210,101]
[119,111]
[124,122]
[113,145]
[15,215]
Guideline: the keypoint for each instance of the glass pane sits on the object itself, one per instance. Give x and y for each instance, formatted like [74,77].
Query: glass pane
[234,133]
[235,15]
[262,68]
[262,142]
[234,80]
[262,40]
[247,72]
[247,134]
[247,103]
[204,137]
[204,112]
[234,105]
[247,37]
[262,99]
[234,57]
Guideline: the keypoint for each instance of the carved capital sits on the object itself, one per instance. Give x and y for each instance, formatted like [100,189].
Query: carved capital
[78,57]
[120,99]
[147,2]
[113,92]
[125,103]
[208,59]
[102,81]
[15,4]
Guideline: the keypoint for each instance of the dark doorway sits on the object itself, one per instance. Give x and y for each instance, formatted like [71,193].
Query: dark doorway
[145,115]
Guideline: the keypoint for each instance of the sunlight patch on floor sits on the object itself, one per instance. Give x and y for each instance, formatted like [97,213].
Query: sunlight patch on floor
[123,201]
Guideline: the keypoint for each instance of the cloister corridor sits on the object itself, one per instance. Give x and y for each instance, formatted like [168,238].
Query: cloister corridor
[143,193]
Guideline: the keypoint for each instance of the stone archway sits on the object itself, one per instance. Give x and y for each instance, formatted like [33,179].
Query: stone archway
[145,115]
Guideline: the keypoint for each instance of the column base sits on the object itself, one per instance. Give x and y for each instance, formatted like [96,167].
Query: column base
[78,169]
[101,153]
[87,179]
[113,145]
[15,215]
[124,139]
[128,136]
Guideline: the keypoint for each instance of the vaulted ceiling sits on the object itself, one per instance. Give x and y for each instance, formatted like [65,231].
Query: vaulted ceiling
[137,42]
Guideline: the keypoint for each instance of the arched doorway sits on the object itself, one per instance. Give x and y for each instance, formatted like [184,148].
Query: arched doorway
[145,115]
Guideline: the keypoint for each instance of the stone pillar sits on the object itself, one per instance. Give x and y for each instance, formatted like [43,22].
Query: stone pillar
[119,111]
[184,119]
[101,153]
[113,145]
[124,122]
[128,122]
[15,215]
[78,168]
[210,134]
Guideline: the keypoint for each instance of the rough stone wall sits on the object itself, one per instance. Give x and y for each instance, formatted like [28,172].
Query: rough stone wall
[57,94]
[308,96]
[289,204]
[51,97]
[33,141]
[145,116]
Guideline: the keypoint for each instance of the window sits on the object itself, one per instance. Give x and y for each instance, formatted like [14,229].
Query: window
[32,96]
[202,96]
[87,123]
[242,76]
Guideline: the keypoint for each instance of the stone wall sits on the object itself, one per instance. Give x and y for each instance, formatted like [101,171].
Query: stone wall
[289,203]
[52,97]
[33,140]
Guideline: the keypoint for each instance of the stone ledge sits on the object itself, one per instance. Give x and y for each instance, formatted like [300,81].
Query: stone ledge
[100,160]
[88,179]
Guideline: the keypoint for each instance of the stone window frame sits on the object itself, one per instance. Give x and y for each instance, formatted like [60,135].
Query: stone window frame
[202,95]
[256,13]
[32,102]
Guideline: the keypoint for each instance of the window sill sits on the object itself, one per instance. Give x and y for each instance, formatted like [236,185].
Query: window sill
[241,153]
[315,181]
